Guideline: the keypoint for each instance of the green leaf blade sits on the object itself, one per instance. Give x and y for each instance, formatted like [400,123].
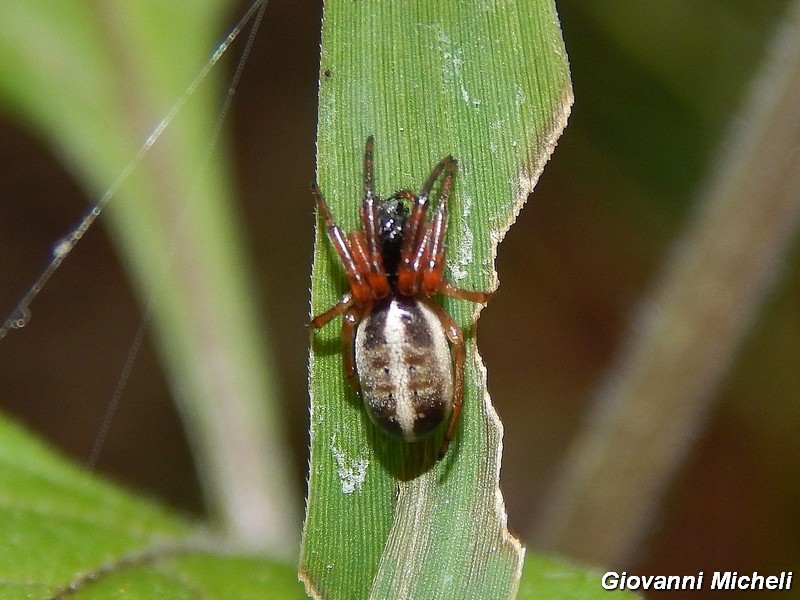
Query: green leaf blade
[489,85]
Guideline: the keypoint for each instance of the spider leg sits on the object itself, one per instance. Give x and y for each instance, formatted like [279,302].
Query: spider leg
[433,267]
[351,318]
[358,284]
[344,304]
[434,261]
[414,238]
[423,243]
[415,221]
[357,244]
[413,242]
[368,173]
[446,162]
[448,289]
[369,217]
[456,337]
[409,278]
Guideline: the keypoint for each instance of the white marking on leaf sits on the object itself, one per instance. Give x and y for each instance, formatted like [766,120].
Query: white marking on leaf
[451,68]
[460,263]
[352,473]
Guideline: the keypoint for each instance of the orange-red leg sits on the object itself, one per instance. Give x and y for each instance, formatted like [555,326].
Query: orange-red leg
[453,332]
[372,242]
[433,267]
[422,255]
[334,311]
[413,236]
[350,320]
[358,284]
[357,244]
[446,288]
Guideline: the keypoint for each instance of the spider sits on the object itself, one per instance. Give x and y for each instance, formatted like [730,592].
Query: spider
[395,337]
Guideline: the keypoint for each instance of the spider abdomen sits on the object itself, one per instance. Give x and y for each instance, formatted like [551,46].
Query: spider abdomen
[403,362]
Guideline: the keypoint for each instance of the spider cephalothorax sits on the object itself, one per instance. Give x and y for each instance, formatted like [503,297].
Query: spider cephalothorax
[395,336]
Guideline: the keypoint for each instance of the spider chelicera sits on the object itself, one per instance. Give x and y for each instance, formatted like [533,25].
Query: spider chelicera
[395,337]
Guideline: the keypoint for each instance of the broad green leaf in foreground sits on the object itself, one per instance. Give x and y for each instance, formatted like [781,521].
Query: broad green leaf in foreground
[61,526]
[490,85]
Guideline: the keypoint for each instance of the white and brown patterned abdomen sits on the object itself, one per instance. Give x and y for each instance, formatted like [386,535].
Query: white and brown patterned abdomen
[404,367]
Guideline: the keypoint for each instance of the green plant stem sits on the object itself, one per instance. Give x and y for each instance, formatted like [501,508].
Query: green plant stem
[210,335]
[655,398]
[95,79]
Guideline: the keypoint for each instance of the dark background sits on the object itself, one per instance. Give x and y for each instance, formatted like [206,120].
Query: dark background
[655,89]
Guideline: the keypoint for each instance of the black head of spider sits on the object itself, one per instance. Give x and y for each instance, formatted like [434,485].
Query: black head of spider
[392,217]
[402,351]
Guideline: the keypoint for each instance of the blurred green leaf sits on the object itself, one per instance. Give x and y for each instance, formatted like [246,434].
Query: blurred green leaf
[62,526]
[547,578]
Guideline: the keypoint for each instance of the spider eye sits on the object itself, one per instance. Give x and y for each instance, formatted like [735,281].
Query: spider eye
[392,216]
